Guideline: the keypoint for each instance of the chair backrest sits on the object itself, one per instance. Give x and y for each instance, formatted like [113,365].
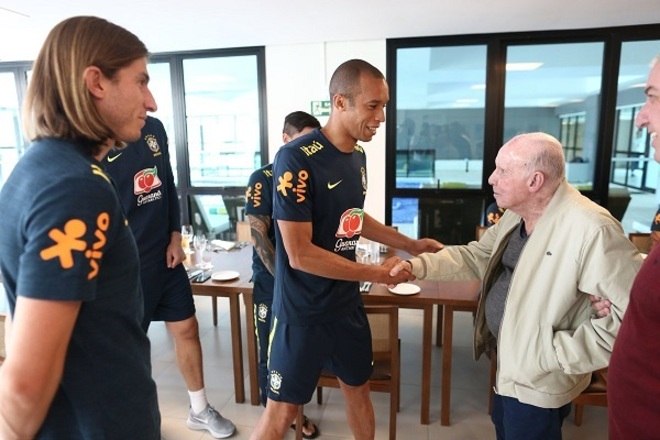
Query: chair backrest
[384,324]
[641,240]
[480,231]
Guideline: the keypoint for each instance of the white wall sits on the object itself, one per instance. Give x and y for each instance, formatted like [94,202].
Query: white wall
[298,74]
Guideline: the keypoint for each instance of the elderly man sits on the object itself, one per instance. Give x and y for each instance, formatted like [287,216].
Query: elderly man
[550,250]
[633,379]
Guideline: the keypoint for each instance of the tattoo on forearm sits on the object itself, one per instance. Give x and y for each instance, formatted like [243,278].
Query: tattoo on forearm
[259,225]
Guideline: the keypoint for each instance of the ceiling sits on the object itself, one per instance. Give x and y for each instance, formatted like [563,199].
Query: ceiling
[173,25]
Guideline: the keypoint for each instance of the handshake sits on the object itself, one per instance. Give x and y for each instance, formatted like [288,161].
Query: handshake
[394,270]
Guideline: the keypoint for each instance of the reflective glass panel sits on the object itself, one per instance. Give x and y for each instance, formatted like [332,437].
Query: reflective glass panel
[440,105]
[222,117]
[161,87]
[634,174]
[11,132]
[555,88]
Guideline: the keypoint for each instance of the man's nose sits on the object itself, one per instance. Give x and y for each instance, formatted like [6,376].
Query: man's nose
[641,119]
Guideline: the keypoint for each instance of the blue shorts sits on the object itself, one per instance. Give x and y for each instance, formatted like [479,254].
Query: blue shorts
[297,354]
[167,293]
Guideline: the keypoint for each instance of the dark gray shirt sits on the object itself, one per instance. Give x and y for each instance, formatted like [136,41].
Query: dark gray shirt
[496,298]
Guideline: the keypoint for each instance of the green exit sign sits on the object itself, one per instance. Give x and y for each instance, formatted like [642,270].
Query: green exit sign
[320,108]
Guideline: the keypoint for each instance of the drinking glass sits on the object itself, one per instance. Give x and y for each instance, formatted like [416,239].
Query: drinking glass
[207,257]
[186,237]
[199,242]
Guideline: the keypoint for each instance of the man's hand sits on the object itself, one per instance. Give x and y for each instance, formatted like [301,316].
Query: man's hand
[600,306]
[401,267]
[425,245]
[174,254]
[399,277]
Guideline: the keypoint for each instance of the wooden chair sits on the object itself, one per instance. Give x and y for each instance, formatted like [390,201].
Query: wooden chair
[480,231]
[641,240]
[386,377]
[595,394]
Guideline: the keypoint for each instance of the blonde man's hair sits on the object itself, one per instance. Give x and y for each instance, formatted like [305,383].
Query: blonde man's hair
[58,103]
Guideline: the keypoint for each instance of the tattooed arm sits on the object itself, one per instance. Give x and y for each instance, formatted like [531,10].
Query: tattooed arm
[259,226]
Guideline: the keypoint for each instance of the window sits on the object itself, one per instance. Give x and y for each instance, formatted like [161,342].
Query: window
[559,82]
[440,99]
[556,88]
[160,84]
[222,119]
[11,130]
[634,174]
[212,106]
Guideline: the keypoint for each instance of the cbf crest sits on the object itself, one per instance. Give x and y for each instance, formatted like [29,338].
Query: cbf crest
[262,312]
[152,143]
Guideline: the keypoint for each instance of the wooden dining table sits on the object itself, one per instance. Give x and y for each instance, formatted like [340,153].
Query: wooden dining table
[450,295]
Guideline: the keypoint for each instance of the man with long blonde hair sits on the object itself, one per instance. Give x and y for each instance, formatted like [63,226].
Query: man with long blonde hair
[78,363]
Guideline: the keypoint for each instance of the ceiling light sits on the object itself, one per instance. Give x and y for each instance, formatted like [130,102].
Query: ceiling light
[520,67]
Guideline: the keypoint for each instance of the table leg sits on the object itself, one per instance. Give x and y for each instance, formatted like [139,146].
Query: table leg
[438,327]
[445,400]
[427,341]
[214,305]
[237,347]
[252,349]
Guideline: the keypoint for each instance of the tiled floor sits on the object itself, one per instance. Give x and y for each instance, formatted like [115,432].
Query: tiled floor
[469,418]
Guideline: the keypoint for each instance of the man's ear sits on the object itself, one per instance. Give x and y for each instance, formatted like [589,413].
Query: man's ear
[535,181]
[94,80]
[339,101]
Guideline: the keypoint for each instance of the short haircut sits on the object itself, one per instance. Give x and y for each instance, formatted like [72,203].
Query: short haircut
[295,122]
[346,78]
[546,154]
[58,103]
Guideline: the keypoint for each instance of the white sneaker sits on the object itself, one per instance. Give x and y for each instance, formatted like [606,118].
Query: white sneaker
[212,421]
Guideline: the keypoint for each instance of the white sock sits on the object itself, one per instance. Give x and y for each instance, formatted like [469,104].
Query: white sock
[198,400]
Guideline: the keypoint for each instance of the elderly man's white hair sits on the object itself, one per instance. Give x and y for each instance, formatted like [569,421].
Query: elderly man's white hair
[545,154]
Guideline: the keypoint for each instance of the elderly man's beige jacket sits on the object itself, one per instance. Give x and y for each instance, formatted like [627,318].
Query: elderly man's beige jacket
[549,339]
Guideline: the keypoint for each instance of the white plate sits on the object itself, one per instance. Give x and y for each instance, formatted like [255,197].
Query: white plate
[405,289]
[225,275]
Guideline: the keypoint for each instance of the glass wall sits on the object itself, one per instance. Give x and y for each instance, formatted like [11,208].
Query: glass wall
[160,84]
[556,88]
[222,120]
[440,96]
[584,87]
[634,174]
[212,106]
[11,130]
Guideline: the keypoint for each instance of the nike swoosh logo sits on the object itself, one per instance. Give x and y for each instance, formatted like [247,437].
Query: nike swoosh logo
[333,185]
[113,158]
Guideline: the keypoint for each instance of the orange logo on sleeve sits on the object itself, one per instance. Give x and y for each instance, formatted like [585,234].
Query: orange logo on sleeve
[300,189]
[285,182]
[70,239]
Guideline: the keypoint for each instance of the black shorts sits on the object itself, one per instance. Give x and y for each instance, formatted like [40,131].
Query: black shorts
[167,293]
[298,353]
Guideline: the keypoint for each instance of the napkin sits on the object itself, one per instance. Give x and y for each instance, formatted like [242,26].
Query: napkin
[224,245]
